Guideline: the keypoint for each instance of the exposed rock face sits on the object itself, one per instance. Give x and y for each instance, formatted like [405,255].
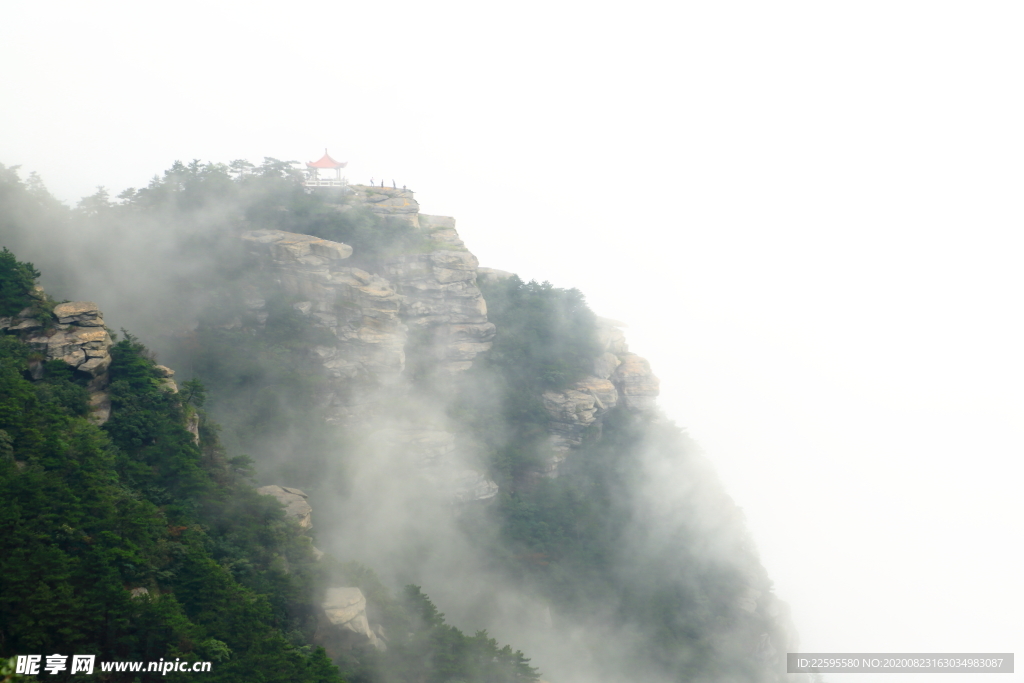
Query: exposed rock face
[637,384]
[433,293]
[435,296]
[343,624]
[579,406]
[631,375]
[82,313]
[294,501]
[305,250]
[387,201]
[441,295]
[618,376]
[84,348]
[360,309]
[78,337]
[572,412]
[167,382]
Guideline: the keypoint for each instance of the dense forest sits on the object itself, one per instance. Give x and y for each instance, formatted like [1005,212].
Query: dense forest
[624,560]
[92,514]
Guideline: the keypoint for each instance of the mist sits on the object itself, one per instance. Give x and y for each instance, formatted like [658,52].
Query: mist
[401,446]
[803,213]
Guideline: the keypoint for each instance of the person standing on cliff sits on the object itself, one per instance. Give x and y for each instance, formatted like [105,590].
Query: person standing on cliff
[371,182]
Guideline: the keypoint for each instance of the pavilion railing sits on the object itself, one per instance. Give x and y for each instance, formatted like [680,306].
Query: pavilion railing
[321,182]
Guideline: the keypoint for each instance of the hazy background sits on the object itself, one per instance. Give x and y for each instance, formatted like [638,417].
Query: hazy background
[809,214]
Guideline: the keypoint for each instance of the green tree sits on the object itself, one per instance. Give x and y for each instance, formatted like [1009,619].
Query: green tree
[16,282]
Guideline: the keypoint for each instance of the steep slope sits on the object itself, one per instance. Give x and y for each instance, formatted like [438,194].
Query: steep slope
[560,396]
[141,541]
[456,428]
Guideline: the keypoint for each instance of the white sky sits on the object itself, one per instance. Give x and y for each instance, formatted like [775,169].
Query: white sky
[809,213]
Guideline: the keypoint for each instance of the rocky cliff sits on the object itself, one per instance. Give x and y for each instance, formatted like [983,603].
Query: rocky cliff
[360,310]
[370,317]
[431,296]
[386,201]
[347,346]
[72,332]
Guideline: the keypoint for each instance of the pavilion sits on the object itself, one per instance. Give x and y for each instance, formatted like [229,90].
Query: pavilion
[313,178]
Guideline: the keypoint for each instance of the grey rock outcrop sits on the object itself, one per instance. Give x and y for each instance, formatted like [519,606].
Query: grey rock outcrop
[295,503]
[441,296]
[343,624]
[573,410]
[81,313]
[387,201]
[432,293]
[619,377]
[167,382]
[293,248]
[84,348]
[74,334]
[631,374]
[360,309]
[635,381]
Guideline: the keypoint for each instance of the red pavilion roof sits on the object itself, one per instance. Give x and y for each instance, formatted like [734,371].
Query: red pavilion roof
[326,162]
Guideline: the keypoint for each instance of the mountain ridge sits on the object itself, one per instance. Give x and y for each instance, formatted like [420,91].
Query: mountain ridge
[456,428]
